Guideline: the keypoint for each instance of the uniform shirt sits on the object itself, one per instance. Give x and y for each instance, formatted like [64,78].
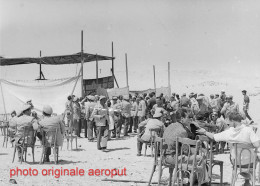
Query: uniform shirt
[194,106]
[242,134]
[246,102]
[228,108]
[126,109]
[141,108]
[174,105]
[76,111]
[25,121]
[214,105]
[184,101]
[89,107]
[55,122]
[134,109]
[101,115]
[171,132]
[150,123]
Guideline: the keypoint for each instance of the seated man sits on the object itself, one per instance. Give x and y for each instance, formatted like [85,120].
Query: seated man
[180,129]
[25,120]
[237,133]
[51,122]
[151,123]
[12,125]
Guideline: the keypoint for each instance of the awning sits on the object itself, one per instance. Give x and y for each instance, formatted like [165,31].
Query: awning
[54,60]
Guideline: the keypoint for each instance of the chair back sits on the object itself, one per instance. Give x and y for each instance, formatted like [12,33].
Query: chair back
[183,150]
[28,138]
[160,148]
[49,137]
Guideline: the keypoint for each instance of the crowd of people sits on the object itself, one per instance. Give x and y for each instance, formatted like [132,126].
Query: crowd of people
[217,117]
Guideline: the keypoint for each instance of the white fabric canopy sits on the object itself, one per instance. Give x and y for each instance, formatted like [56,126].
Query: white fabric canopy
[48,92]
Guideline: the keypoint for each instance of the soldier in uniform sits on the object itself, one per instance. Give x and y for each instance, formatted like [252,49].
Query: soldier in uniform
[76,116]
[51,122]
[117,107]
[101,116]
[141,109]
[126,113]
[89,107]
[25,120]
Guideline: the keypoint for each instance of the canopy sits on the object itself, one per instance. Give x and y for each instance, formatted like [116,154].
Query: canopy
[54,60]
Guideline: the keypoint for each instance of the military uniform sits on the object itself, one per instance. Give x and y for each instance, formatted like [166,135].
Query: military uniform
[117,119]
[126,113]
[101,116]
[89,107]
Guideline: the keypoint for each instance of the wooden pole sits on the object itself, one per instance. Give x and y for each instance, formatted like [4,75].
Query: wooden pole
[40,65]
[154,78]
[3,98]
[126,68]
[169,75]
[82,61]
[96,71]
[112,57]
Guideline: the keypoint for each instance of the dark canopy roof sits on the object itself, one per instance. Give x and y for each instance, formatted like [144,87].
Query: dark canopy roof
[54,60]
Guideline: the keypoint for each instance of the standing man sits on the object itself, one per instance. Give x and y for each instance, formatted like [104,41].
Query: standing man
[246,106]
[134,110]
[141,109]
[184,101]
[89,107]
[151,102]
[117,108]
[229,107]
[126,113]
[101,116]
[76,116]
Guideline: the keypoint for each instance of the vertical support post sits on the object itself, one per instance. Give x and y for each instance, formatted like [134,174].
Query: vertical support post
[40,77]
[154,78]
[169,75]
[3,98]
[112,57]
[126,68]
[96,71]
[82,61]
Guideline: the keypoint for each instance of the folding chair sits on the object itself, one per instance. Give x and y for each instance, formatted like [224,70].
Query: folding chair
[49,139]
[210,156]
[247,171]
[27,140]
[190,167]
[153,133]
[69,136]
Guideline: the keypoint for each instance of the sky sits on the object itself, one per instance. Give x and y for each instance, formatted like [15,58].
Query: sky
[216,39]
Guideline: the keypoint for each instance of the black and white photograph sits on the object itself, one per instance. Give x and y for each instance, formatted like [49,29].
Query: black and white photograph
[129,92]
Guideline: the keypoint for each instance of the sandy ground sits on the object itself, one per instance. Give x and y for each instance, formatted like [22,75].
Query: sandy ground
[121,154]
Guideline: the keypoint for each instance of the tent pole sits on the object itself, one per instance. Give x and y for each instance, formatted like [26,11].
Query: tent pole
[96,71]
[3,99]
[169,75]
[154,78]
[40,64]
[114,78]
[126,70]
[82,60]
[112,57]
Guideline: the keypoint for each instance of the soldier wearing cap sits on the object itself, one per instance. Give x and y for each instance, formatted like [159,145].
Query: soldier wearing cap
[117,108]
[246,106]
[89,107]
[144,129]
[76,116]
[25,120]
[101,116]
[229,107]
[141,109]
[126,113]
[48,123]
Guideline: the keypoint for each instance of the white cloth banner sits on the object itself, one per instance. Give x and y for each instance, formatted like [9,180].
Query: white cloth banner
[118,92]
[43,92]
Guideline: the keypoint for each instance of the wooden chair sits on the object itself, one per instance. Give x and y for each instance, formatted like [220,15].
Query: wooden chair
[27,140]
[247,171]
[153,133]
[160,148]
[6,135]
[188,168]
[210,156]
[49,139]
[69,136]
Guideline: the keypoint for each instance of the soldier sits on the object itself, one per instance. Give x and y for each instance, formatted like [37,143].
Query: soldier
[134,118]
[141,109]
[117,108]
[25,120]
[76,116]
[101,116]
[246,106]
[89,107]
[126,113]
[51,122]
